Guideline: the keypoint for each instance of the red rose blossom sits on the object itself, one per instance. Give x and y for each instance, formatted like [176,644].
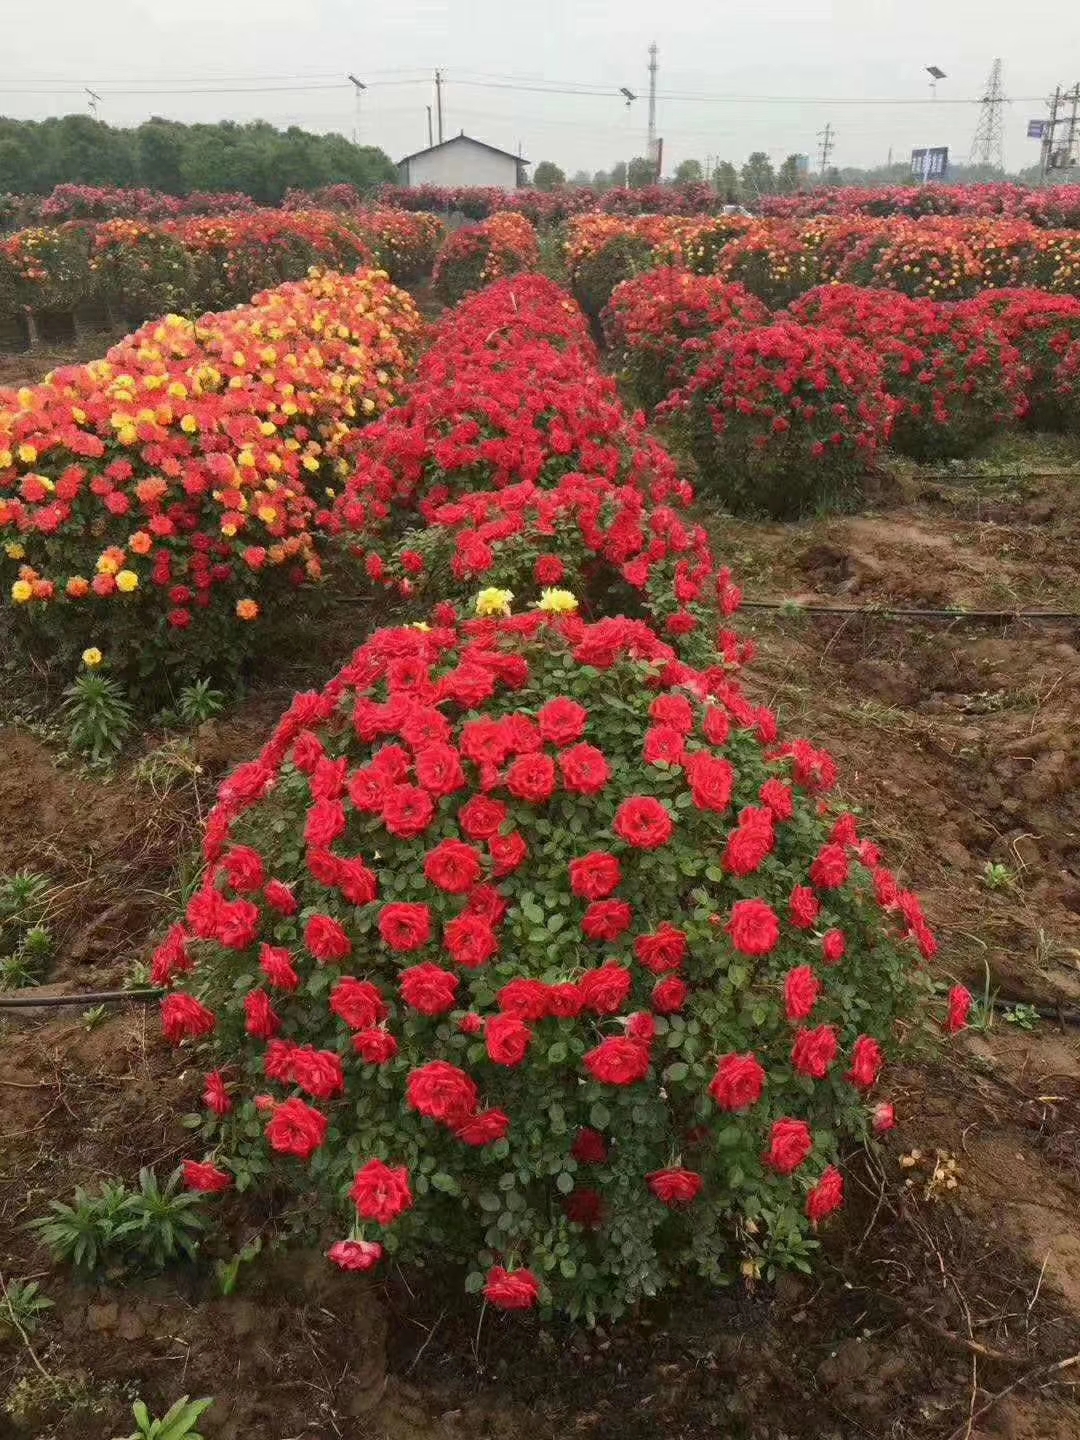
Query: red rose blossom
[355,1254]
[511,1290]
[867,1061]
[429,989]
[804,908]
[405,926]
[206,1177]
[833,947]
[669,996]
[607,919]
[802,989]
[642,821]
[376,1046]
[562,721]
[675,1187]
[790,1143]
[442,1092]
[815,1051]
[595,876]
[585,770]
[453,866]
[589,1147]
[296,1129]
[738,1083]
[532,778]
[959,1009]
[507,1038]
[826,1196]
[605,991]
[381,1192]
[665,949]
[754,927]
[484,1128]
[618,1061]
[326,939]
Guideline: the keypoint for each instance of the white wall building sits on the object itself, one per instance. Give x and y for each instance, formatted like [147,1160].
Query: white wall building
[463,161]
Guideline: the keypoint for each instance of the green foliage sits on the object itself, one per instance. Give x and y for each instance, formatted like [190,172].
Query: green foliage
[26,942]
[548,176]
[21,1307]
[99,716]
[256,158]
[199,702]
[688,172]
[178,1423]
[148,1226]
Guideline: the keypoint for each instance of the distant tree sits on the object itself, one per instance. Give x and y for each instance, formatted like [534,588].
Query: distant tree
[688,172]
[757,176]
[789,176]
[164,155]
[641,172]
[547,176]
[618,174]
[602,180]
[726,181]
[581,178]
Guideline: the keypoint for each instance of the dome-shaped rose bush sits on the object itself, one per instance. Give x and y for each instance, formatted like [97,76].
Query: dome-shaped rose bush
[601,251]
[1042,327]
[654,325]
[477,255]
[954,373]
[525,946]
[773,262]
[782,418]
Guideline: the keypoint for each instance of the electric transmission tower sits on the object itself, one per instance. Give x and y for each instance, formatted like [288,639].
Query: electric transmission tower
[988,142]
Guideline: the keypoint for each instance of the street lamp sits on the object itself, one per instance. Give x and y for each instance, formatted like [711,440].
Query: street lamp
[360,87]
[935,75]
[630,98]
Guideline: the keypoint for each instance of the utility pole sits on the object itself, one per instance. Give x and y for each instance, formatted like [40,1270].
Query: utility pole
[360,88]
[988,142]
[828,140]
[1070,148]
[650,148]
[92,104]
[1048,134]
[438,100]
[430,136]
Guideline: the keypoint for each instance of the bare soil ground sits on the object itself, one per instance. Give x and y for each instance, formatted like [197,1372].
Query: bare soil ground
[937,1314]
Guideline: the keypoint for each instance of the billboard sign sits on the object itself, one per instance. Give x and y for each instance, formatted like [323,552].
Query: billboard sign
[931,163]
[1037,129]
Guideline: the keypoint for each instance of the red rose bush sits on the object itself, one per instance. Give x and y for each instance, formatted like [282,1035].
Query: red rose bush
[954,373]
[781,417]
[476,255]
[527,473]
[654,325]
[527,946]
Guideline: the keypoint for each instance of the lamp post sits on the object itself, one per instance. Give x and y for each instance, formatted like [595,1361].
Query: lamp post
[630,98]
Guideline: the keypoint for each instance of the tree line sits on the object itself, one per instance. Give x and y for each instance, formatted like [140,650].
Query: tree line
[758,176]
[256,158]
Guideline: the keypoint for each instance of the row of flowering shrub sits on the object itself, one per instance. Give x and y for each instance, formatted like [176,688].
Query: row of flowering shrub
[478,255]
[940,258]
[520,460]
[1055,207]
[155,504]
[109,202]
[555,206]
[763,400]
[140,269]
[529,944]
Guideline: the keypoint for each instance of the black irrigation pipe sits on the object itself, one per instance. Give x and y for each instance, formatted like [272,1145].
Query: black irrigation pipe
[91,997]
[796,607]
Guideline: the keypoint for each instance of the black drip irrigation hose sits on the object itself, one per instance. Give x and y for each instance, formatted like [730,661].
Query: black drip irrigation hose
[885,612]
[91,997]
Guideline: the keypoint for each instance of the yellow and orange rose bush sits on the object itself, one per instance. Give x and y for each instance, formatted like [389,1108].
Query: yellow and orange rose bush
[159,502]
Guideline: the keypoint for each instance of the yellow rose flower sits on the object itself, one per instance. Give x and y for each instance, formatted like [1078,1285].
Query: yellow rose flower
[127,581]
[92,657]
[21,591]
[15,551]
[558,602]
[494,602]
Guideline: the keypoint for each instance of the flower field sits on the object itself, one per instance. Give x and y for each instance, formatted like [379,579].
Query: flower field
[135,269]
[520,962]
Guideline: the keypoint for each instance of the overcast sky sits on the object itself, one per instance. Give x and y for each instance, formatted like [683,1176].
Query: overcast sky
[790,64]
